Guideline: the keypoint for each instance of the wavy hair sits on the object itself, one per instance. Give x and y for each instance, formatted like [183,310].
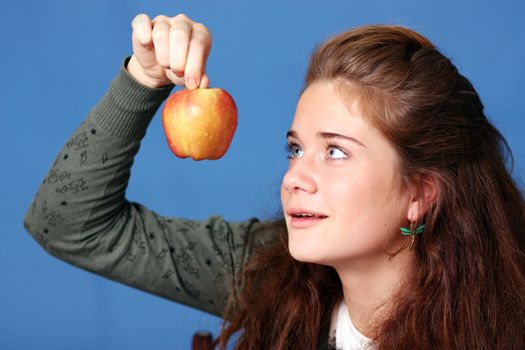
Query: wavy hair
[468,288]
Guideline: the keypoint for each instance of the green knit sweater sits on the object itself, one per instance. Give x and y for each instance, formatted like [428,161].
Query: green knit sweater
[80,213]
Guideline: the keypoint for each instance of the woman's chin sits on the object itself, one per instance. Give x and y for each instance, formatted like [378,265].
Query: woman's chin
[305,253]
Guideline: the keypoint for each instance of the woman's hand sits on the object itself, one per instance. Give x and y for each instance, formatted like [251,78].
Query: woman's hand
[169,50]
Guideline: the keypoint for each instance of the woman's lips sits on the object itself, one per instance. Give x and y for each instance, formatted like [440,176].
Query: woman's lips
[303,217]
[304,222]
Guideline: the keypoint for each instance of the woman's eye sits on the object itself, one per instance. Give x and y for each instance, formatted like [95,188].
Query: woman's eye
[333,152]
[293,150]
[336,153]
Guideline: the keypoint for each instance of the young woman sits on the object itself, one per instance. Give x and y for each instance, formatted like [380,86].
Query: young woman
[401,226]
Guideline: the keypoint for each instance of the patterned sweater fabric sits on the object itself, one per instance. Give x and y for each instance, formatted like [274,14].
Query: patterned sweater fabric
[80,213]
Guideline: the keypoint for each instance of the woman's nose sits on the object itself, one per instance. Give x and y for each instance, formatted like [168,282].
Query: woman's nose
[300,177]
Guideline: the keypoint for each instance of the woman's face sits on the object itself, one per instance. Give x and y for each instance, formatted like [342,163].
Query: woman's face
[345,173]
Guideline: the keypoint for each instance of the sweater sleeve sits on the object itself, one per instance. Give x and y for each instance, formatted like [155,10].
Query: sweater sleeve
[80,213]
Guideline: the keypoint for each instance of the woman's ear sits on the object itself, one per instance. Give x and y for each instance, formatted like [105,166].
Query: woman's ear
[423,197]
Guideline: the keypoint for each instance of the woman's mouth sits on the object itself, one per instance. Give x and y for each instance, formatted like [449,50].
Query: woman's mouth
[304,222]
[304,218]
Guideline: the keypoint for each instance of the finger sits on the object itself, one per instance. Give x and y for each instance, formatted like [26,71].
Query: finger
[141,25]
[199,49]
[179,39]
[145,56]
[174,79]
[142,42]
[205,82]
[160,35]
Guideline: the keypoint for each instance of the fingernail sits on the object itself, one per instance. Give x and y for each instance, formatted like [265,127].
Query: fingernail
[138,18]
[191,83]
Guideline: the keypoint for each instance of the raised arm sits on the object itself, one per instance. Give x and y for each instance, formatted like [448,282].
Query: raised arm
[80,213]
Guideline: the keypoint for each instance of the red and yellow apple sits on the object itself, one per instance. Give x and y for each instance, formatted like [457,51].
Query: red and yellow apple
[199,123]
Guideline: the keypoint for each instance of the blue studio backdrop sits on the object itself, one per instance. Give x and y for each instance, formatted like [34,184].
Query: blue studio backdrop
[57,60]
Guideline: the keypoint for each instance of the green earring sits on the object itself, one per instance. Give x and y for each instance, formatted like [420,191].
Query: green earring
[410,231]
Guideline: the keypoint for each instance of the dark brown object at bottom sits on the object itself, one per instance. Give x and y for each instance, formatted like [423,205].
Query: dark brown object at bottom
[202,341]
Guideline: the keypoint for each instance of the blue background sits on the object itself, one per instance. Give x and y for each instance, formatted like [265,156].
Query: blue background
[57,59]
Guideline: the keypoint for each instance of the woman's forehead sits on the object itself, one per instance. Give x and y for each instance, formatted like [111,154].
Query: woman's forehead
[321,108]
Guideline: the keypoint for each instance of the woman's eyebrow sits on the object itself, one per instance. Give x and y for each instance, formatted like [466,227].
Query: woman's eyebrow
[326,135]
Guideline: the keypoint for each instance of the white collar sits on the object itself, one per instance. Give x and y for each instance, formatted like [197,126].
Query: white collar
[343,334]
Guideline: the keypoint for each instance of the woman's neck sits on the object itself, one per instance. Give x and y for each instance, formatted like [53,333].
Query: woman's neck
[368,286]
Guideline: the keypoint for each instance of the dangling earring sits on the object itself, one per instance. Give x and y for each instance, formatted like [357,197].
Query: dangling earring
[412,231]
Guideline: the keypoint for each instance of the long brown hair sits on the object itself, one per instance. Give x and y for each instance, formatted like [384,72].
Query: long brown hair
[468,288]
